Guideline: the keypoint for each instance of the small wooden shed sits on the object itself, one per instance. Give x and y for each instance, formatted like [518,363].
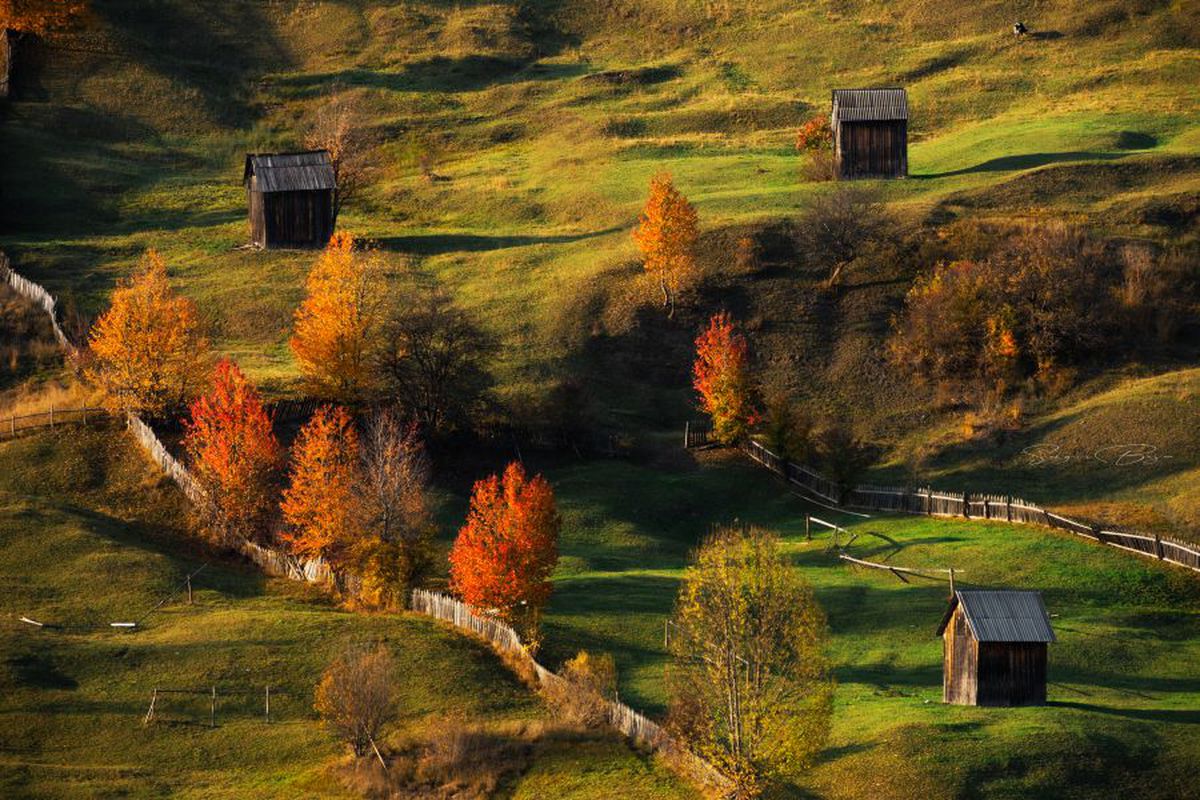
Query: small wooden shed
[291,198]
[994,648]
[870,133]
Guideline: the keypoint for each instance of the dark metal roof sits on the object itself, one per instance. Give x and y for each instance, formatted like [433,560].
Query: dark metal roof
[1008,615]
[869,105]
[291,172]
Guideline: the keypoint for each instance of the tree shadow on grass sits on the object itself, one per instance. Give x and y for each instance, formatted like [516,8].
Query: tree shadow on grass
[442,243]
[437,74]
[1175,716]
[1019,162]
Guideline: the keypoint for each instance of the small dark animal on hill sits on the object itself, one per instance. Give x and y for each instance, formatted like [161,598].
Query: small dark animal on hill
[1019,29]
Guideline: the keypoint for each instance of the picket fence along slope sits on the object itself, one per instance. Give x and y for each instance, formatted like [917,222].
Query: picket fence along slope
[971,506]
[37,295]
[634,725]
[279,563]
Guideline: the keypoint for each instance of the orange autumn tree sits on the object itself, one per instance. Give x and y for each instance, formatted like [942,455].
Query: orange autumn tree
[148,353]
[234,455]
[39,16]
[721,375]
[320,505]
[666,236]
[505,552]
[334,325]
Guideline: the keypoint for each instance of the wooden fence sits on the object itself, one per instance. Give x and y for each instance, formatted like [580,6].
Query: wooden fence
[14,425]
[37,295]
[972,506]
[632,724]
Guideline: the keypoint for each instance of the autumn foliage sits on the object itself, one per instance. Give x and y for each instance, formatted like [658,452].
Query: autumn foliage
[666,236]
[815,134]
[333,327]
[320,506]
[721,376]
[505,552]
[39,16]
[234,454]
[148,353]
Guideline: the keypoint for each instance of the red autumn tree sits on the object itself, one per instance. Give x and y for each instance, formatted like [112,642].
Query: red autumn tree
[505,552]
[815,134]
[234,454]
[320,506]
[666,236]
[721,375]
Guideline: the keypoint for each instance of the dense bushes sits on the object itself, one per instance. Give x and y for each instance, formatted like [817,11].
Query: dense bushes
[1044,298]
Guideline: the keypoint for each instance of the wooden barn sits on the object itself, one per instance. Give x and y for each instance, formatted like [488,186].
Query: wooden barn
[994,648]
[291,198]
[870,133]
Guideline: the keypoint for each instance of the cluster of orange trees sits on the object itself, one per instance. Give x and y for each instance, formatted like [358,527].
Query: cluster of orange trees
[356,488]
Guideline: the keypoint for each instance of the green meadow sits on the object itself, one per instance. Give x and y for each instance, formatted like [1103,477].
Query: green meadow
[514,142]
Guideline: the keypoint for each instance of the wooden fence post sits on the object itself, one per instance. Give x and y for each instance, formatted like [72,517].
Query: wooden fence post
[807,528]
[1158,550]
[212,709]
[1008,504]
[929,502]
[150,712]
[189,587]
[687,434]
[967,505]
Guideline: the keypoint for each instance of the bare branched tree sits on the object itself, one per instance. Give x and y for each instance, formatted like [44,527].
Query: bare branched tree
[396,507]
[838,227]
[432,360]
[337,126]
[355,696]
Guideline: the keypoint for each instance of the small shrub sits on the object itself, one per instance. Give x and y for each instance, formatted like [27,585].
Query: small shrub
[355,696]
[815,134]
[818,167]
[462,760]
[589,683]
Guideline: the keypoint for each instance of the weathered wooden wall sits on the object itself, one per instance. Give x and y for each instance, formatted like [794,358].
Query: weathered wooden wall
[960,662]
[872,149]
[291,219]
[1011,674]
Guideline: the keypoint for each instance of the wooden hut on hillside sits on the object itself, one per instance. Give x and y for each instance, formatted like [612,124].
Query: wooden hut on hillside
[291,198]
[870,133]
[994,648]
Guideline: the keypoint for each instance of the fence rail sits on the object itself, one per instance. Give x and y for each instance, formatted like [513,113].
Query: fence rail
[972,506]
[632,724]
[14,425]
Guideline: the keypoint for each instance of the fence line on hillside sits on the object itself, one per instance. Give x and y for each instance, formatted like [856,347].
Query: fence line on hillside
[37,295]
[974,506]
[16,424]
[632,724]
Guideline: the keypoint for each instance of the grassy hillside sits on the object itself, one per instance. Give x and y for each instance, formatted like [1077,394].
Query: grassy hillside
[542,122]
[88,536]
[1123,676]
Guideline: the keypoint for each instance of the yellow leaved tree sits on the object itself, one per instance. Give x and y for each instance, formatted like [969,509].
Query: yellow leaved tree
[148,352]
[334,326]
[666,236]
